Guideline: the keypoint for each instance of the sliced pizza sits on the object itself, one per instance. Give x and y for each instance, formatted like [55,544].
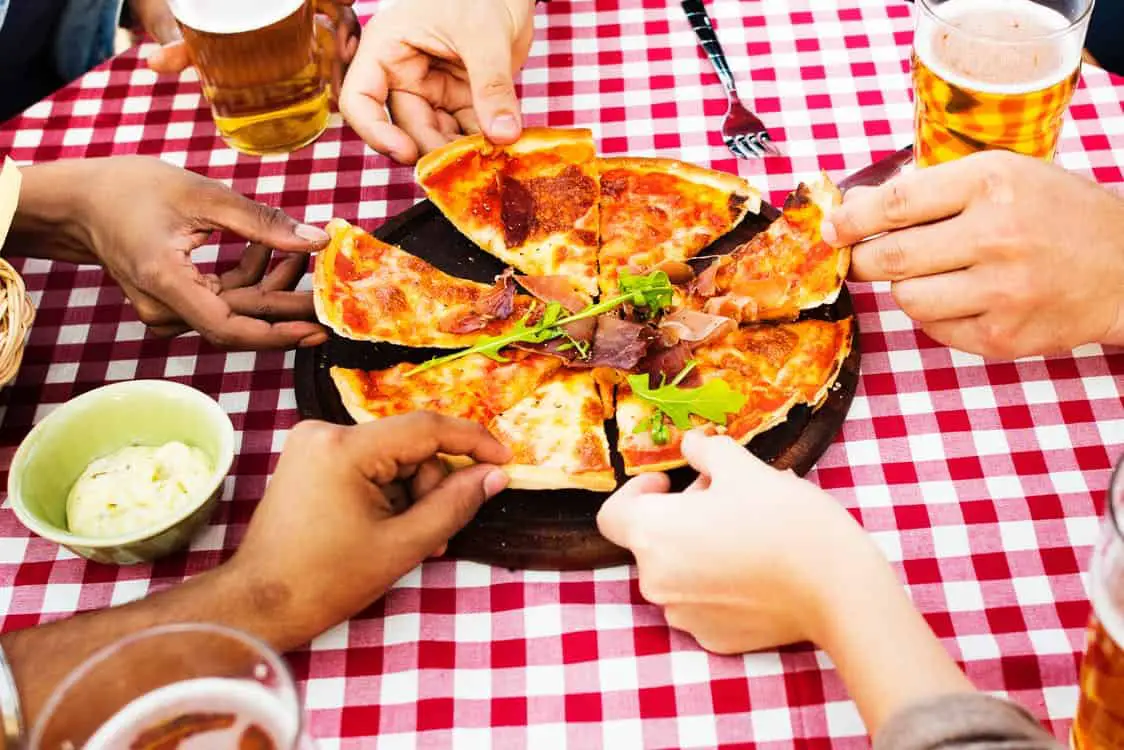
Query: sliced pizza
[553,419]
[368,290]
[782,270]
[772,367]
[533,204]
[658,210]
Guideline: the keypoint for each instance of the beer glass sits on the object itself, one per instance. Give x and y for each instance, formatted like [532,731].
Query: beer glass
[186,686]
[994,74]
[1100,711]
[261,65]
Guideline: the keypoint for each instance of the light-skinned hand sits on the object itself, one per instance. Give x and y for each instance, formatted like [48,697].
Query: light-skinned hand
[429,70]
[997,254]
[747,557]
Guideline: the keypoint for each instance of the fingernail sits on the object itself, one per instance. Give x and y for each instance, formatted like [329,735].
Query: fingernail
[311,233]
[495,482]
[827,231]
[505,126]
[315,339]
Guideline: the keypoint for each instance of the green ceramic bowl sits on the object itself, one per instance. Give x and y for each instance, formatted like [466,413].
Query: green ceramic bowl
[95,424]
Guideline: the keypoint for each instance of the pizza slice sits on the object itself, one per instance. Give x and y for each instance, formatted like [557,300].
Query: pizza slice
[368,290]
[658,210]
[533,204]
[553,419]
[772,367]
[782,270]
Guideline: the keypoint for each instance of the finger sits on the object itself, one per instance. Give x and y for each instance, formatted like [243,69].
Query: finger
[286,274]
[436,516]
[964,334]
[378,448]
[418,119]
[946,296]
[719,457]
[219,207]
[251,267]
[363,104]
[213,317]
[448,125]
[428,475]
[170,59]
[909,199]
[487,57]
[618,513]
[466,118]
[702,482]
[917,251]
[258,303]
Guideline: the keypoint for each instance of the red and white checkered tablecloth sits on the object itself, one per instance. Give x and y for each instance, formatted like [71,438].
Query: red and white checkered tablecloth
[982,482]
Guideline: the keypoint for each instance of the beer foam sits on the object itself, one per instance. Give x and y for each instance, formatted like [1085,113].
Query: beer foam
[1047,28]
[232,16]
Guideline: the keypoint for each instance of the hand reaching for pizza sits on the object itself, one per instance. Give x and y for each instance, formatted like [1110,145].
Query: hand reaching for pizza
[337,25]
[717,556]
[428,70]
[142,218]
[336,527]
[996,254]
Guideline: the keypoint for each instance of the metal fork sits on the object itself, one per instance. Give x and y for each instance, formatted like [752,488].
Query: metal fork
[744,133]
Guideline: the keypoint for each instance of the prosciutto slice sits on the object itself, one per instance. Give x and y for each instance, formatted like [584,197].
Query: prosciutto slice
[694,327]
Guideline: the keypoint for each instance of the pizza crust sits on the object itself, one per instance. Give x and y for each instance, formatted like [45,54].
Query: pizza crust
[524,477]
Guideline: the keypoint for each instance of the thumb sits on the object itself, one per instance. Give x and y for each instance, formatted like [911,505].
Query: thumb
[488,62]
[257,222]
[615,518]
[721,458]
[446,509]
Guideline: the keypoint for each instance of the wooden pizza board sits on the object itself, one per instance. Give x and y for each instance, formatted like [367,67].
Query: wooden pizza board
[554,530]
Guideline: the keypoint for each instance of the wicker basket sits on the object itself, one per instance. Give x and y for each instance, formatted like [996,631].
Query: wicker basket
[16,315]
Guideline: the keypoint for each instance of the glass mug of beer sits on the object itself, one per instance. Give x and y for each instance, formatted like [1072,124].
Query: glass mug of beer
[994,74]
[190,686]
[1100,711]
[261,65]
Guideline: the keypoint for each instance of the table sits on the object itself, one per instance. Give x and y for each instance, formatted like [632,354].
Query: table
[981,481]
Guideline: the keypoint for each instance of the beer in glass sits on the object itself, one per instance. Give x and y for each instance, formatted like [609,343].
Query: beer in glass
[260,65]
[994,74]
[1099,722]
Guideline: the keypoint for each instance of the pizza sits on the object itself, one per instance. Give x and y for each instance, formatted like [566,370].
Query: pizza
[659,210]
[368,290]
[552,418]
[541,361]
[775,367]
[783,270]
[532,204]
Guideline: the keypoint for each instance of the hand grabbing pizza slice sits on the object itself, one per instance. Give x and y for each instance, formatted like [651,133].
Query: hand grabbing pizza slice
[533,204]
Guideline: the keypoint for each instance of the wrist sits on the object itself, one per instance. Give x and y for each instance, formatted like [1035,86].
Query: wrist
[52,214]
[256,604]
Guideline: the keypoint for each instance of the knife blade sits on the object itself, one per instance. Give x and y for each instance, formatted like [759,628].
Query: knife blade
[878,172]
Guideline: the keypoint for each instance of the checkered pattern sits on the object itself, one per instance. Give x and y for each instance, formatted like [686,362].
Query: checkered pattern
[981,481]
[952,122]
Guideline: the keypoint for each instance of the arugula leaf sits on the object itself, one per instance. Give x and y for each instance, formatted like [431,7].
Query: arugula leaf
[652,291]
[712,401]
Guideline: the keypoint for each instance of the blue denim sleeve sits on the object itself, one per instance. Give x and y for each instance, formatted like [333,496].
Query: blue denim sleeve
[3,10]
[1106,35]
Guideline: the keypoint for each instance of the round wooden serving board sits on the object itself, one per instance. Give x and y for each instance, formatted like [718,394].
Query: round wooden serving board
[554,530]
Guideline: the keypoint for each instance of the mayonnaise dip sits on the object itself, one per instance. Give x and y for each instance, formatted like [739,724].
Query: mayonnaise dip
[136,488]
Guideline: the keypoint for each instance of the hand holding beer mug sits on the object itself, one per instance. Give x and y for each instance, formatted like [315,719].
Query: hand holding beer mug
[263,68]
[994,74]
[1100,713]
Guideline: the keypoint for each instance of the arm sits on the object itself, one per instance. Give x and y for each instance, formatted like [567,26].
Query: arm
[305,563]
[141,219]
[744,570]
